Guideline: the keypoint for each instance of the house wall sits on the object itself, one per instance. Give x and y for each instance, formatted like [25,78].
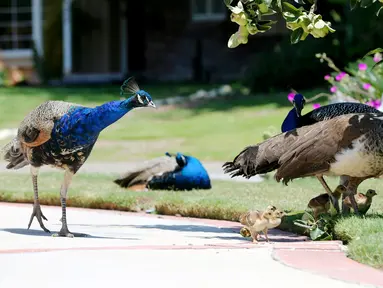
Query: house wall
[172,40]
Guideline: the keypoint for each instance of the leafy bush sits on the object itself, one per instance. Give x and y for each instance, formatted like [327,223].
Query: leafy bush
[361,80]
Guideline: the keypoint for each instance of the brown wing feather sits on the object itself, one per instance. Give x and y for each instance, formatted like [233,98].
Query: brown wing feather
[305,151]
[37,126]
[143,173]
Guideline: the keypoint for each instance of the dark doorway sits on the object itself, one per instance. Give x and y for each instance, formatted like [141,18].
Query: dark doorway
[136,36]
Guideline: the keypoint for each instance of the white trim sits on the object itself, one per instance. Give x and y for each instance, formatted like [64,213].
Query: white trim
[37,26]
[209,15]
[18,57]
[67,36]
[124,39]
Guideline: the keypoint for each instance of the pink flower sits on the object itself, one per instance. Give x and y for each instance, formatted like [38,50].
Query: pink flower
[327,77]
[362,66]
[377,57]
[340,76]
[291,96]
[333,89]
[366,86]
[316,105]
[374,103]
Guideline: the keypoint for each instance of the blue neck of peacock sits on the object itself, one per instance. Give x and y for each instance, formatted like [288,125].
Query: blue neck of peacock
[291,121]
[104,115]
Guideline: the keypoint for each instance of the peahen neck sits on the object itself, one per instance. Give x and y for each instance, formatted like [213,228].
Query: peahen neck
[290,122]
[100,117]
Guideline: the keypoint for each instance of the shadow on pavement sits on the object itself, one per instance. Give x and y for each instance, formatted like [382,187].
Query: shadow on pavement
[31,232]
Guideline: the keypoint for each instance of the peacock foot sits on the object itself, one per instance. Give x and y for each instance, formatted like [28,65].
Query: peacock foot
[39,216]
[63,233]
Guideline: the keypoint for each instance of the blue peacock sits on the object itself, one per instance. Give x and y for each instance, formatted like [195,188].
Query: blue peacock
[169,172]
[62,135]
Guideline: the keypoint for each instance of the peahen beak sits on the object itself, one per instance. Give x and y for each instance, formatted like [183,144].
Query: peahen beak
[151,104]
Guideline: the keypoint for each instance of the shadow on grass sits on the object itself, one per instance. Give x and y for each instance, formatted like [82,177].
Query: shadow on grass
[32,232]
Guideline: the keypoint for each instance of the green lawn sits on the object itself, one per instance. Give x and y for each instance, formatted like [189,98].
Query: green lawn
[146,133]
[216,130]
[226,200]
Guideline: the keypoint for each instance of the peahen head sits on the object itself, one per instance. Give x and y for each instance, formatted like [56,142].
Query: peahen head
[291,120]
[140,97]
[299,103]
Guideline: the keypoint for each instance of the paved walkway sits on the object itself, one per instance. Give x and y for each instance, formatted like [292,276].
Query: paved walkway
[213,168]
[130,249]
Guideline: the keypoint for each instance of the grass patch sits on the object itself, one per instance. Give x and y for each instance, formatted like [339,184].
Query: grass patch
[146,133]
[225,201]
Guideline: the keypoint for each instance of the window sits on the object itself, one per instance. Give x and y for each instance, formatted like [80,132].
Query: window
[205,10]
[15,24]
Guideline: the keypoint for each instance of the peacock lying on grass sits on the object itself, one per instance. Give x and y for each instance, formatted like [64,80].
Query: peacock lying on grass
[169,172]
[349,145]
[62,135]
[295,119]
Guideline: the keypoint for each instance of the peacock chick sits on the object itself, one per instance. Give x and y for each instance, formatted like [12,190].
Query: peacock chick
[321,204]
[274,221]
[255,222]
[62,135]
[363,201]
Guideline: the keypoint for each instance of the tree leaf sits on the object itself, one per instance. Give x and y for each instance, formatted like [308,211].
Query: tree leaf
[301,2]
[292,9]
[353,4]
[366,3]
[377,50]
[296,35]
[376,64]
[227,2]
[316,233]
[377,13]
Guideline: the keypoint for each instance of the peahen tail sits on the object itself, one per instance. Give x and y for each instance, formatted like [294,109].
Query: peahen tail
[257,159]
[12,153]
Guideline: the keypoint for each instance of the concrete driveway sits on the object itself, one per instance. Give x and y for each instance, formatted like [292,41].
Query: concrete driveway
[129,249]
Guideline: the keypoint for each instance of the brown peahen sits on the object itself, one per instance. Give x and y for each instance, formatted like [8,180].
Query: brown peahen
[349,145]
[295,119]
[62,135]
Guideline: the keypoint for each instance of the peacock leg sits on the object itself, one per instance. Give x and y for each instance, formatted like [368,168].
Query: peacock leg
[335,202]
[36,203]
[64,232]
[351,191]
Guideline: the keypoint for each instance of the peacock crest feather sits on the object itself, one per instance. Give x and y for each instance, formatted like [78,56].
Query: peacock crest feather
[129,87]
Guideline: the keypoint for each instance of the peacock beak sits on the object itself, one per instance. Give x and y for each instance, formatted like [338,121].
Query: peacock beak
[151,104]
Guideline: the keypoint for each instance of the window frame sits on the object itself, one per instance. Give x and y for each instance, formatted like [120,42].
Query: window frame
[209,15]
[13,9]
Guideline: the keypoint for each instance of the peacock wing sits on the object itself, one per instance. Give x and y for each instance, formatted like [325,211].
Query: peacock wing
[37,126]
[144,172]
[316,145]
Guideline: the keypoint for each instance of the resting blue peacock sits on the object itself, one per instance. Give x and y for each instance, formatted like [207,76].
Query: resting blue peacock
[62,135]
[169,172]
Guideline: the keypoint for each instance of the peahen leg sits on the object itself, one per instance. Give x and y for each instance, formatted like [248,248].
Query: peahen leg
[335,202]
[36,203]
[64,232]
[352,188]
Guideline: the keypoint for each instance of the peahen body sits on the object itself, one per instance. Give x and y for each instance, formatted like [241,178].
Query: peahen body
[349,145]
[295,119]
[170,172]
[62,135]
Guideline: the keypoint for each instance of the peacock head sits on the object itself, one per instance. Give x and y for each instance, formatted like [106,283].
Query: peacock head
[181,159]
[299,103]
[140,97]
